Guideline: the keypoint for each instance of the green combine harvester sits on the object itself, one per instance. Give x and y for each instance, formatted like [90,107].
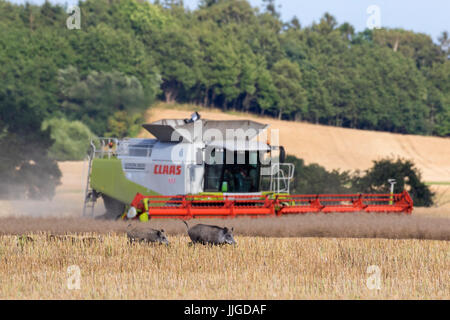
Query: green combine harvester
[207,168]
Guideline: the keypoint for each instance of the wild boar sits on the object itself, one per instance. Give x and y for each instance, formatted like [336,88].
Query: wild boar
[207,234]
[148,236]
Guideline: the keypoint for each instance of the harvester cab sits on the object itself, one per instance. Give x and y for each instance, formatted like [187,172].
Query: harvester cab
[196,167]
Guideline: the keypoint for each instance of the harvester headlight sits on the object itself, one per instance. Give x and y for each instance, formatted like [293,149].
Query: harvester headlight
[132,213]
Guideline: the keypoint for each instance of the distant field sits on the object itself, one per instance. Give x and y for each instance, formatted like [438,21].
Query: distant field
[442,196]
[336,148]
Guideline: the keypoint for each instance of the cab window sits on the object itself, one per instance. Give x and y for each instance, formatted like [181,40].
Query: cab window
[242,175]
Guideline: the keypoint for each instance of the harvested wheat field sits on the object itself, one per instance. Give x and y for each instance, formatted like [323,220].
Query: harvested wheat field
[299,257]
[257,268]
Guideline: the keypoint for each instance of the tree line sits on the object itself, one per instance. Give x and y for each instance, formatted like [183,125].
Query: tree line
[225,54]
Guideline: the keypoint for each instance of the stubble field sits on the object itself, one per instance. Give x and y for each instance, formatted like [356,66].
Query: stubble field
[257,268]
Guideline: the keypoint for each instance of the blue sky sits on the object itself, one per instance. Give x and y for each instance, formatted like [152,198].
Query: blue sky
[427,16]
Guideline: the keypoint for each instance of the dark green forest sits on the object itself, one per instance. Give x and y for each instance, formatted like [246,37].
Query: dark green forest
[226,54]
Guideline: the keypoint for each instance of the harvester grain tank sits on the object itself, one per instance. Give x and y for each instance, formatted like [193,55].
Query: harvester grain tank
[208,168]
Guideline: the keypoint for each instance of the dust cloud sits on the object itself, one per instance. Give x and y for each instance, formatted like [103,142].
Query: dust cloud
[338,225]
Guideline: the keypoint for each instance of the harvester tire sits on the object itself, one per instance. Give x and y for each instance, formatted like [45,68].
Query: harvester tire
[114,208]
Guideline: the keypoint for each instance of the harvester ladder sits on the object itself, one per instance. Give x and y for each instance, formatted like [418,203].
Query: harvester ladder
[90,196]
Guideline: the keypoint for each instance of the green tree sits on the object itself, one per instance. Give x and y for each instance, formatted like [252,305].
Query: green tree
[417,46]
[266,96]
[71,139]
[287,79]
[95,98]
[444,41]
[315,179]
[219,70]
[438,98]
[179,72]
[121,125]
[404,172]
[326,25]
